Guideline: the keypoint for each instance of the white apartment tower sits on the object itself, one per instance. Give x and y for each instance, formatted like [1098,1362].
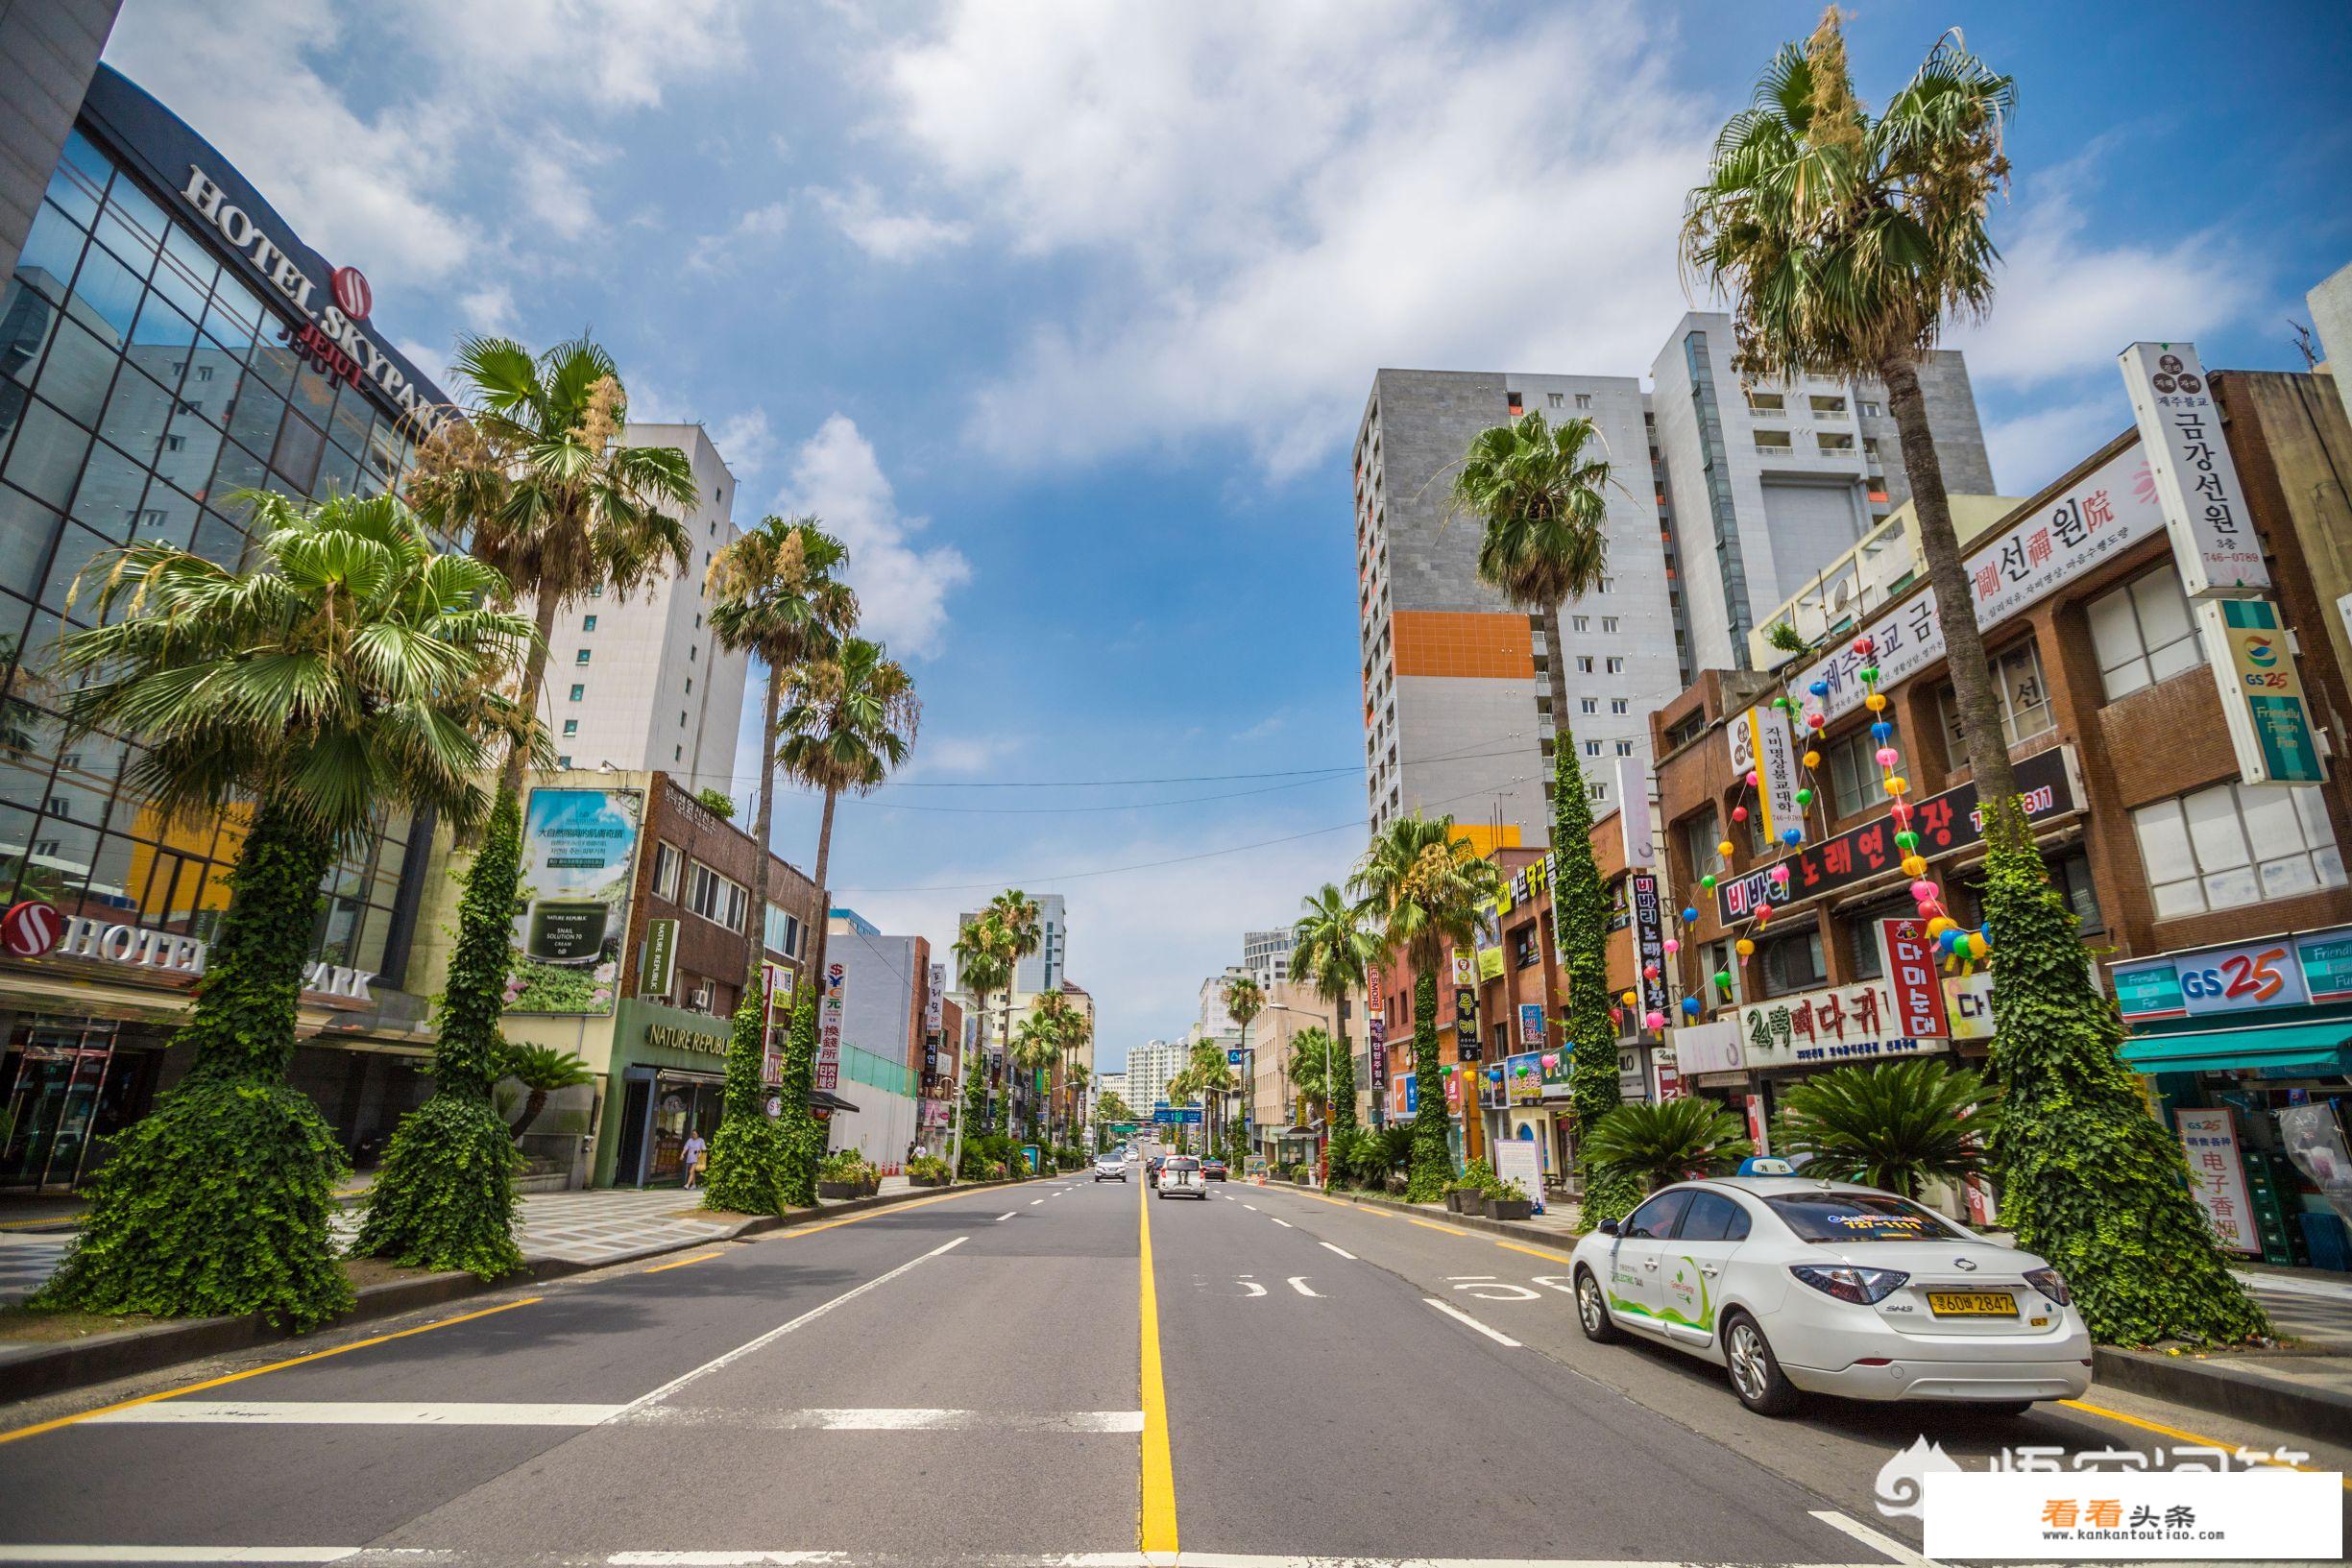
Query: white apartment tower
[641,684]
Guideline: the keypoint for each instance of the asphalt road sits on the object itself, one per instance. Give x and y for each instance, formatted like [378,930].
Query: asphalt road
[988,1375]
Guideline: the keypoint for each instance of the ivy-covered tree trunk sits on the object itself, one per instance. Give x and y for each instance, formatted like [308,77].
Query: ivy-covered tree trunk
[2089,1179]
[445,1197]
[219,1202]
[800,1135]
[748,1153]
[1580,921]
[1433,1157]
[1341,1118]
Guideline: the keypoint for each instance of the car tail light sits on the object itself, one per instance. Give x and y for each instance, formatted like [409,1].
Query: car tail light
[1862,1287]
[2051,1283]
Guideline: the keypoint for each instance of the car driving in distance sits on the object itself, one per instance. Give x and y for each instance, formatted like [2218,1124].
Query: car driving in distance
[1213,1170]
[1182,1175]
[1110,1167]
[1798,1287]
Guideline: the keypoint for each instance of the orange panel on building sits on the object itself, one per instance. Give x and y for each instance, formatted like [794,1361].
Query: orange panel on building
[1463,642]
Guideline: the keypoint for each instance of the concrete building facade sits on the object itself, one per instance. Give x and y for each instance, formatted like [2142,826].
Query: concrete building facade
[1267,955]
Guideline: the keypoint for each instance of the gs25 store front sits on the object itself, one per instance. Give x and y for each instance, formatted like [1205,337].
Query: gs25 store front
[2247,1053]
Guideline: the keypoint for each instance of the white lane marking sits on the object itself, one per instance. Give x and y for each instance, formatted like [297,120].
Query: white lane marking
[389,1556]
[1340,1250]
[904,1419]
[1874,1539]
[1252,1286]
[357,1413]
[1284,1223]
[1298,1283]
[763,1341]
[1252,1207]
[1006,1214]
[1034,1201]
[1458,1314]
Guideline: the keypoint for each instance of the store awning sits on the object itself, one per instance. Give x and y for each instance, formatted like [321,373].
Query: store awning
[826,1100]
[2316,1048]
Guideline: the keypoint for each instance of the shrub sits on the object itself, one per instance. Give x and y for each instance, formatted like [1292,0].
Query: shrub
[1477,1176]
[1651,1144]
[845,1164]
[927,1167]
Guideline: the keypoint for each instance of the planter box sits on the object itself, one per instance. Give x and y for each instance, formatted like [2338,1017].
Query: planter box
[1510,1208]
[841,1189]
[927,1181]
[1453,1200]
[1475,1203]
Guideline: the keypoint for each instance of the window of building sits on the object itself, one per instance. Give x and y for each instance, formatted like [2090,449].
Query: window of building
[2071,875]
[1617,667]
[782,933]
[1718,957]
[1790,963]
[1584,399]
[1616,704]
[1868,407]
[681,718]
[1597,792]
[1592,748]
[667,863]
[691,649]
[2144,633]
[2230,845]
[581,658]
[1583,665]
[1580,623]
[1686,729]
[689,685]
[578,692]
[1555,399]
[1625,748]
[677,754]
[2026,709]
[1857,782]
[1861,928]
[1609,623]
[563,758]
[714,896]
[1702,839]
[572,727]
[1592,705]
[588,623]
[596,590]
[1524,953]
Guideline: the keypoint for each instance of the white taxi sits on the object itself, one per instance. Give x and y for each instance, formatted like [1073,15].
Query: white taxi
[1181,1175]
[1798,1285]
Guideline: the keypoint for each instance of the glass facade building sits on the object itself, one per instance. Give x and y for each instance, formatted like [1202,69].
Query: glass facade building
[149,372]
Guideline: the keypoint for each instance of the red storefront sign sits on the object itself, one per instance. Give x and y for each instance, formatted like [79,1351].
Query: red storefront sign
[1912,977]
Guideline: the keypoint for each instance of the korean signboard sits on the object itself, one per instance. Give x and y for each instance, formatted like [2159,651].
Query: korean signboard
[829,1032]
[1907,959]
[2107,513]
[2252,656]
[2209,1139]
[1762,744]
[2205,506]
[2289,970]
[661,962]
[1531,1023]
[579,853]
[777,1022]
[1832,1027]
[1634,814]
[1404,1095]
[1489,937]
[1946,822]
[1666,1074]
[1967,1005]
[1523,1078]
[1709,1048]
[1649,939]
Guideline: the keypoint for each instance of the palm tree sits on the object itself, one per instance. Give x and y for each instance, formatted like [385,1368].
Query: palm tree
[980,969]
[356,670]
[1892,1124]
[772,593]
[1208,1074]
[1316,1071]
[1072,1031]
[1542,493]
[1037,1049]
[541,1069]
[1849,241]
[1654,1144]
[1425,884]
[1334,947]
[1017,923]
[1242,1002]
[851,720]
[534,473]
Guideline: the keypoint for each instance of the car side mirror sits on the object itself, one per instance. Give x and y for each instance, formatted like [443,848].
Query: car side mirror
[1608,1227]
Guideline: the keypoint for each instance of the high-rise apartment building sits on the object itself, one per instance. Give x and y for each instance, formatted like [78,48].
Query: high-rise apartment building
[1457,704]
[1149,1068]
[1725,501]
[1046,969]
[1772,482]
[1267,955]
[641,682]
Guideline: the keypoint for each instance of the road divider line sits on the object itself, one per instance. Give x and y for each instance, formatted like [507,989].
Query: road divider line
[764,1340]
[2104,1413]
[1340,1250]
[1006,1214]
[1461,1317]
[1156,1527]
[1539,1252]
[40,1427]
[1284,1223]
[337,1412]
[699,1257]
[1895,1550]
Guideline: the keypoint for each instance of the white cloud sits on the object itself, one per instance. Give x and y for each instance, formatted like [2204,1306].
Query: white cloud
[936,755]
[488,309]
[1272,724]
[1282,199]
[902,590]
[604,54]
[555,190]
[718,253]
[433,362]
[887,236]
[745,441]
[2031,449]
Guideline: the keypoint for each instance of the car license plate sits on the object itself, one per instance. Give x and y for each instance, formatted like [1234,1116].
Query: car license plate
[1972,1303]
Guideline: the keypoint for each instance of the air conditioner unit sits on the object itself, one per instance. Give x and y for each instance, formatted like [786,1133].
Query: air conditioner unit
[700,1002]
[1842,594]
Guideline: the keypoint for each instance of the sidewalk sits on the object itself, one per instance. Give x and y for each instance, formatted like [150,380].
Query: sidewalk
[587,1227]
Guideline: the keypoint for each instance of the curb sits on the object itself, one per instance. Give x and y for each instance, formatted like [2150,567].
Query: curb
[1517,1232]
[102,1358]
[2320,1414]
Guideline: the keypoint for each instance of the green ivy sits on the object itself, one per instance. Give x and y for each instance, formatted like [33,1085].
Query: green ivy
[2089,1179]
[1433,1156]
[219,1201]
[1580,920]
[800,1137]
[445,1197]
[1343,1112]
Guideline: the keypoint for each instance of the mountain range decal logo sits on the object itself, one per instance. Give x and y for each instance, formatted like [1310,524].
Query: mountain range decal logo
[1901,1486]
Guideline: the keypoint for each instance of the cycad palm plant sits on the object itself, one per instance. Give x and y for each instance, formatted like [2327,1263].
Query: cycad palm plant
[851,719]
[1891,1125]
[1335,947]
[773,593]
[1652,1144]
[1849,240]
[541,1070]
[358,670]
[1424,884]
[1542,493]
[534,472]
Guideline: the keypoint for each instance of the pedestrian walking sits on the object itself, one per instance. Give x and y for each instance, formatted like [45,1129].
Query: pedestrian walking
[695,1149]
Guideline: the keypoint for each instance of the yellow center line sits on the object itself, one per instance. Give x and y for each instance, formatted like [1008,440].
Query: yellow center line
[2201,1442]
[1156,1526]
[255,1373]
[699,1257]
[1538,1251]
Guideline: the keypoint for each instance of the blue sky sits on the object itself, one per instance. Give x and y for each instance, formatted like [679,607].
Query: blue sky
[1065,314]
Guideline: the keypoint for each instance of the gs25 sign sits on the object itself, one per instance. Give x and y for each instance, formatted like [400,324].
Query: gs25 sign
[2214,980]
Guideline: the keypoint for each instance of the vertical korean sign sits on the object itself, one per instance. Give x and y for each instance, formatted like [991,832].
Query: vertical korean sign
[579,851]
[2253,658]
[1762,744]
[829,1036]
[2204,505]
[659,967]
[933,1018]
[779,1020]
[1649,939]
[2210,1140]
[1908,960]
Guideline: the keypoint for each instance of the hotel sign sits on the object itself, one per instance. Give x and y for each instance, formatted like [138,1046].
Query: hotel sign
[33,928]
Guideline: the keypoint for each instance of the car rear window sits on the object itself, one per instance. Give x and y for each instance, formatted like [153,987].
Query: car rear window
[1860,1217]
[1183,1165]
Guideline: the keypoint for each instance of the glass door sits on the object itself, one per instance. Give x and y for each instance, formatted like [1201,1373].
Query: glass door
[52,1104]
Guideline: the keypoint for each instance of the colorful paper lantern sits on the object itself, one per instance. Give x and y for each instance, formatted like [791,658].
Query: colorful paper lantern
[1690,913]
[1816,720]
[1888,757]
[1780,876]
[1744,948]
[1708,882]
[1739,814]
[1723,982]
[1691,1006]
[1923,891]
[1898,787]
[1751,777]
[1763,912]
[1792,835]
[1724,849]
[1649,971]
[1805,796]
[1876,702]
[1865,646]
[1812,758]
[1882,731]
[1914,865]
[1654,1021]
[1819,688]
[1550,1061]
[1673,946]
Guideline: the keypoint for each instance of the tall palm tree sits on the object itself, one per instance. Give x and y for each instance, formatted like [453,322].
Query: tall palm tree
[1208,1074]
[355,670]
[1035,1050]
[772,593]
[1424,884]
[1314,1071]
[1018,925]
[1072,1031]
[1850,240]
[980,969]
[1243,1000]
[1334,947]
[851,720]
[533,472]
